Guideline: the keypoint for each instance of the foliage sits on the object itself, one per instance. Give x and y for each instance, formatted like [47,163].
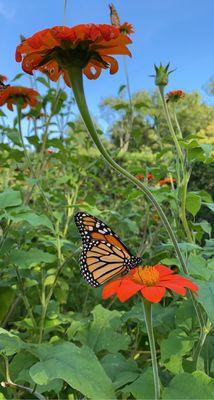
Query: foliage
[55,333]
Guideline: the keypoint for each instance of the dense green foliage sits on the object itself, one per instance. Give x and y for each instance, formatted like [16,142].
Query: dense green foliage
[57,336]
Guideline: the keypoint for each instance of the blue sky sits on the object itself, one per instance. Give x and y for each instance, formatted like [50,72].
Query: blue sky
[179,31]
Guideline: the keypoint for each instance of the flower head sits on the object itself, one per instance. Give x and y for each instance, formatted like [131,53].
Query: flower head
[175,95]
[3,78]
[141,177]
[166,181]
[87,46]
[151,281]
[126,28]
[162,75]
[18,95]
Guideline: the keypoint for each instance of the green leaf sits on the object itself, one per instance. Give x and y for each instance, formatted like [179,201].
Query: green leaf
[79,367]
[193,203]
[143,387]
[190,386]
[103,333]
[9,343]
[33,219]
[10,198]
[43,81]
[13,135]
[18,76]
[120,369]
[174,348]
[26,259]
[206,297]
[197,267]
[210,206]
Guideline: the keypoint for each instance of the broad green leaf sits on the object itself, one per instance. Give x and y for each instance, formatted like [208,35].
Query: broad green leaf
[13,135]
[120,369]
[193,203]
[10,198]
[197,267]
[6,299]
[79,367]
[190,386]
[210,206]
[185,316]
[174,348]
[104,331]
[9,343]
[143,387]
[26,259]
[206,297]
[33,219]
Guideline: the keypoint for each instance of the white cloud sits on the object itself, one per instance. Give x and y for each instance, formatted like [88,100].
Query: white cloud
[6,12]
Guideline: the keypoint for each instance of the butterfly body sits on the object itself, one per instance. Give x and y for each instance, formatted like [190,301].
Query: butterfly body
[104,255]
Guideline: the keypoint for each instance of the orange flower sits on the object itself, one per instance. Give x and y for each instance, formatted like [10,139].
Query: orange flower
[151,281]
[166,181]
[175,95]
[18,95]
[141,177]
[86,46]
[3,78]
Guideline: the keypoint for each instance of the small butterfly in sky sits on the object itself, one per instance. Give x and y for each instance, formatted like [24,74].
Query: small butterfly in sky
[104,255]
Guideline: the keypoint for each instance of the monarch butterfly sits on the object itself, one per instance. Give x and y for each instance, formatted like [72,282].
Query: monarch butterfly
[115,20]
[3,86]
[104,255]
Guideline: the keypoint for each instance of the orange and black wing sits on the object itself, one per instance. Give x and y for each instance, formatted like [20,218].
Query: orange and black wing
[104,255]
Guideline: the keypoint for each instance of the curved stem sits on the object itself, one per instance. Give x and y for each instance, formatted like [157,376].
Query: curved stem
[148,318]
[11,384]
[76,79]
[75,75]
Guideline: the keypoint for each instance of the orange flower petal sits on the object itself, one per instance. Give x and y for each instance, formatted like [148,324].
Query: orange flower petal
[112,63]
[110,288]
[92,71]
[153,293]
[125,291]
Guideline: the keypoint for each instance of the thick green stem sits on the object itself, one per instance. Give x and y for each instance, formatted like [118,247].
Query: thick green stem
[148,318]
[75,75]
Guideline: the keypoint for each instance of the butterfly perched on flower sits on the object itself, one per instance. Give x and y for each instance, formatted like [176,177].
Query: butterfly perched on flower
[3,86]
[104,255]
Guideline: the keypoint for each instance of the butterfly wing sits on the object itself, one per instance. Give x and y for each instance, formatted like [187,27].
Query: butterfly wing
[104,255]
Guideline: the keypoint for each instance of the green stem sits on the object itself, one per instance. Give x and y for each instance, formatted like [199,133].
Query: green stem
[185,178]
[148,319]
[183,209]
[49,295]
[177,124]
[171,129]
[75,75]
[25,299]
[10,383]
[28,158]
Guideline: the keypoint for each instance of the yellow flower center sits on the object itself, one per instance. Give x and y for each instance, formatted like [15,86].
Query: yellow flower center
[147,276]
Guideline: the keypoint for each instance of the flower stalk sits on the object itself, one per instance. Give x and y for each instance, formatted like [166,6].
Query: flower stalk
[147,307]
[75,75]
